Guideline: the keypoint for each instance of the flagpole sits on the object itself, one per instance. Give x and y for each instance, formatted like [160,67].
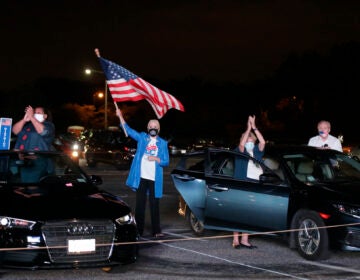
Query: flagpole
[97,52]
[121,118]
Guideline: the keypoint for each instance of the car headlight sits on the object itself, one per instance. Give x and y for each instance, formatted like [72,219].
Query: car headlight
[75,147]
[8,222]
[125,220]
[75,154]
[348,210]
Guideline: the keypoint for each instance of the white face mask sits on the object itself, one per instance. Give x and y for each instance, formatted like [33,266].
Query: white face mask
[249,146]
[39,117]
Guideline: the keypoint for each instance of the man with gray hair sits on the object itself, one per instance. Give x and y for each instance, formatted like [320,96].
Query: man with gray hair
[325,139]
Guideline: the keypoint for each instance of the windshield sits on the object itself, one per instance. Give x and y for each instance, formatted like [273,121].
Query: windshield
[31,167]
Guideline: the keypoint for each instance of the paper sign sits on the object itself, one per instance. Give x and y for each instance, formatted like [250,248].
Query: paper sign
[5,133]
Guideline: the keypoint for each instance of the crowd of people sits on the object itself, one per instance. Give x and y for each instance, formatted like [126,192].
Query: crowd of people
[36,131]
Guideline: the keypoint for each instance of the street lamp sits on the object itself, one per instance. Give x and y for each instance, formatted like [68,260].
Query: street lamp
[89,72]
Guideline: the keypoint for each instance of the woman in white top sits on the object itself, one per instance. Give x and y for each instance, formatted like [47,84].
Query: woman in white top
[248,170]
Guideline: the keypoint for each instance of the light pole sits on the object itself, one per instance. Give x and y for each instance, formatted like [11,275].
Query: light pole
[89,72]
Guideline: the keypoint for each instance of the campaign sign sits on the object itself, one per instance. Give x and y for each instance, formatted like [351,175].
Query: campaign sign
[5,133]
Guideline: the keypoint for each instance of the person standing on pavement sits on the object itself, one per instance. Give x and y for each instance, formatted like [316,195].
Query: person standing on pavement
[325,139]
[247,169]
[146,172]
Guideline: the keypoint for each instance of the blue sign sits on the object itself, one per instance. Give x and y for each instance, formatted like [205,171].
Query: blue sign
[5,133]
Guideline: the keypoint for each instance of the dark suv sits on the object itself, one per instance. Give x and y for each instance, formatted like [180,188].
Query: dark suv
[108,146]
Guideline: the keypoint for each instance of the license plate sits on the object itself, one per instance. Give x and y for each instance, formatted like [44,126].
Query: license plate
[81,246]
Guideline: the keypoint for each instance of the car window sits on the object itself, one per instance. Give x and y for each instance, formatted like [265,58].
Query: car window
[345,168]
[192,163]
[221,163]
[302,167]
[274,165]
[315,169]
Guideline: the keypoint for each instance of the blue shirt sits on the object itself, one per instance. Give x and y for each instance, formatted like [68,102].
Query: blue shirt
[29,139]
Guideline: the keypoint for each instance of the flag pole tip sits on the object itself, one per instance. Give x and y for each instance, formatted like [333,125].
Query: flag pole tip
[97,52]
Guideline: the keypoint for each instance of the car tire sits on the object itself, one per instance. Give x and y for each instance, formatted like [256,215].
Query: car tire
[196,226]
[311,236]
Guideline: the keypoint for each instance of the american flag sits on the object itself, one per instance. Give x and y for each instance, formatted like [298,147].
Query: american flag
[6,121]
[126,86]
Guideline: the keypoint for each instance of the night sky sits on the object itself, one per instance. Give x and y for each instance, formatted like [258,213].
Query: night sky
[215,40]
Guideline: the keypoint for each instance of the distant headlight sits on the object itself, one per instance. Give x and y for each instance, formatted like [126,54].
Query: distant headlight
[125,220]
[8,222]
[75,154]
[75,147]
[348,210]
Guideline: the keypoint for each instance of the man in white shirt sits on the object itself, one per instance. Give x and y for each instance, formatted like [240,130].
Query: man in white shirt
[324,139]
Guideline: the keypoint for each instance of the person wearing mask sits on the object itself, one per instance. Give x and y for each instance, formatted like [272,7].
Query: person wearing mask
[325,139]
[35,131]
[146,172]
[247,169]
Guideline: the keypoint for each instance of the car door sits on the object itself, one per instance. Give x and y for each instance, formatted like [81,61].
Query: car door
[188,178]
[235,204]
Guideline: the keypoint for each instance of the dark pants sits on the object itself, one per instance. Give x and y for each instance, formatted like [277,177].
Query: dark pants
[146,189]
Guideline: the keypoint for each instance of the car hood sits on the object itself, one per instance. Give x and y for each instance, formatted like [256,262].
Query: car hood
[341,190]
[40,205]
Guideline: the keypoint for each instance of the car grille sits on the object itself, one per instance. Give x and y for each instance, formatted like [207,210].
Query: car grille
[353,238]
[57,234]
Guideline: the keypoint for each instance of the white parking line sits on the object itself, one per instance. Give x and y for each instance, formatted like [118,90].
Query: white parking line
[226,260]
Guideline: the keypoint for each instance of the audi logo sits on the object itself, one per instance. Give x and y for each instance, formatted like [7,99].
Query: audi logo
[80,229]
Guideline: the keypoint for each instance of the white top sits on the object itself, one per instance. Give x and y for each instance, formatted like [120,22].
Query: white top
[254,170]
[148,167]
[331,142]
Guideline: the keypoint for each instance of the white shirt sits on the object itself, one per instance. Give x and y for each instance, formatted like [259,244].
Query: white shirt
[331,142]
[254,170]
[148,167]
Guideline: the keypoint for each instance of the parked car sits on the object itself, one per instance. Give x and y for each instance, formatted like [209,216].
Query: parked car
[70,144]
[54,215]
[309,196]
[178,147]
[202,143]
[108,146]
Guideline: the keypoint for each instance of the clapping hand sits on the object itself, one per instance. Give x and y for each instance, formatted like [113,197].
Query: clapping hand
[29,112]
[251,121]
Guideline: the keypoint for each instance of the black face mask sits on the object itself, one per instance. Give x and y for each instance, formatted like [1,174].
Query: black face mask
[153,131]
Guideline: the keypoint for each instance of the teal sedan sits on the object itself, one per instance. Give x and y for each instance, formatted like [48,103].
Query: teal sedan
[309,196]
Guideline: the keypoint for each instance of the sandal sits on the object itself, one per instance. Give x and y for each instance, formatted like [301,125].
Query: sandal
[247,246]
[236,246]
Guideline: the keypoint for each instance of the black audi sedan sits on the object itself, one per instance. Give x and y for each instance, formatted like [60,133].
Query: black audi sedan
[308,195]
[53,214]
